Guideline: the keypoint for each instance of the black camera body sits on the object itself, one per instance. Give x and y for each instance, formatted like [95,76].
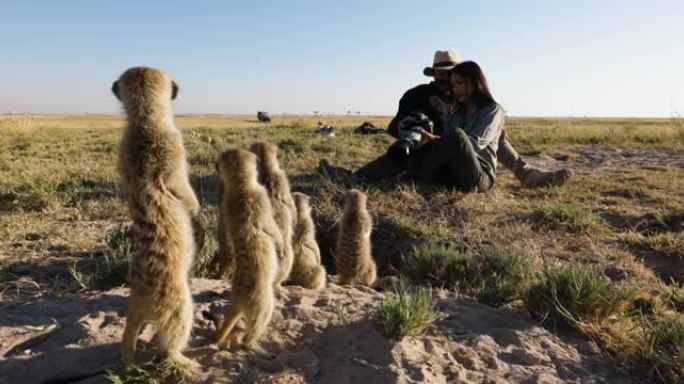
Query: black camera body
[410,137]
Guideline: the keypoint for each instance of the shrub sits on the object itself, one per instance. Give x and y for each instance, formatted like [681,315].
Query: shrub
[502,276]
[405,312]
[663,349]
[574,295]
[438,265]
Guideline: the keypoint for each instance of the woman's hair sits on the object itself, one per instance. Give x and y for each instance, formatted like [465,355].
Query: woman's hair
[473,74]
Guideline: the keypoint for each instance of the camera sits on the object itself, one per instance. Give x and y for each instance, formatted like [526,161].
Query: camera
[410,137]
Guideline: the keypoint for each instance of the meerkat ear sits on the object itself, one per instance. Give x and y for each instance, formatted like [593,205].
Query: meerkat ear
[115,89]
[174,90]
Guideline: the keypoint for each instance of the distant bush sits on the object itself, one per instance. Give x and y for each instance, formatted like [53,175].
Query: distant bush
[405,312]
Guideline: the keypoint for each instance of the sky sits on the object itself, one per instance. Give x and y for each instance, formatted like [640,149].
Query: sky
[542,58]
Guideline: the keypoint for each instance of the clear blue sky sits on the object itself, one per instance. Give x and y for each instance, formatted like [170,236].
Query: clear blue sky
[571,58]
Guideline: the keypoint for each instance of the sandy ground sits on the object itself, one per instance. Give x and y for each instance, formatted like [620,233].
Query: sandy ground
[315,337]
[590,159]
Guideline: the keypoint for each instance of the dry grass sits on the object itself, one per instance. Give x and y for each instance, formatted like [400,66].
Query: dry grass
[59,200]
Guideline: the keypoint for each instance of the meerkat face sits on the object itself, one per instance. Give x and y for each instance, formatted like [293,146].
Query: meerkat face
[142,84]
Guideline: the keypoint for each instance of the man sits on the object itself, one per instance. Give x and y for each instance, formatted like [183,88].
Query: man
[436,102]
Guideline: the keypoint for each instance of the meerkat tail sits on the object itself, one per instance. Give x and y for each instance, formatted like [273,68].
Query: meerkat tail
[368,273]
[223,334]
[316,279]
[260,321]
[175,326]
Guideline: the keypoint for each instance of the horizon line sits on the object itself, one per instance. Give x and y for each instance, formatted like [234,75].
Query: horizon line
[219,114]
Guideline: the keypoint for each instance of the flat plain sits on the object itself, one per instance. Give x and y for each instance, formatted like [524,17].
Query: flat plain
[621,215]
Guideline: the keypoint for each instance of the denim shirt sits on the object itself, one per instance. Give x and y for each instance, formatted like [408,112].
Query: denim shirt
[483,129]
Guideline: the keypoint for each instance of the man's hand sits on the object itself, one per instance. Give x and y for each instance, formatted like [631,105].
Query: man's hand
[401,126]
[426,136]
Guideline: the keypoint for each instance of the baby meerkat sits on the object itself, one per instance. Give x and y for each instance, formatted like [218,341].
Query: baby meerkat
[154,176]
[353,258]
[255,236]
[307,270]
[273,177]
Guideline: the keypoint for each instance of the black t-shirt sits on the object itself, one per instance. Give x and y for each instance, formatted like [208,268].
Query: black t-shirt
[426,99]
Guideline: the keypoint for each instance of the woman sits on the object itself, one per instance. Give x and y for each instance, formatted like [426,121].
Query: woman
[465,156]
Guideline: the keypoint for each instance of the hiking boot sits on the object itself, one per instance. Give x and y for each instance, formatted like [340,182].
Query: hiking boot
[335,174]
[535,178]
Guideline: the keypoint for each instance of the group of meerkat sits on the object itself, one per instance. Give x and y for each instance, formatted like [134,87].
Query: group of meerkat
[266,234]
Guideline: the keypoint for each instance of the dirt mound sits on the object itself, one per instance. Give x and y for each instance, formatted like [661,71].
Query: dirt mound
[314,337]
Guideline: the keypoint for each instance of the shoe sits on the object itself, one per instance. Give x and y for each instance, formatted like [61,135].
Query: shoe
[535,178]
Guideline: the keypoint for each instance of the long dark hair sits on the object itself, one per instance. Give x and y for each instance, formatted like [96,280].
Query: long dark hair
[473,74]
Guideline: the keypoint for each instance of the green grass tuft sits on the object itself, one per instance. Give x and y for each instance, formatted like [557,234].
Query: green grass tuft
[405,312]
[503,277]
[152,372]
[113,267]
[574,295]
[663,349]
[497,277]
[568,217]
[438,265]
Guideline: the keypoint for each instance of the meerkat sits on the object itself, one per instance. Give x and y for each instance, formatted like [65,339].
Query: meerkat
[353,258]
[161,203]
[255,236]
[307,270]
[273,177]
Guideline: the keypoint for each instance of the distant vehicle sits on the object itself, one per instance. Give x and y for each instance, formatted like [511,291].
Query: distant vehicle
[263,117]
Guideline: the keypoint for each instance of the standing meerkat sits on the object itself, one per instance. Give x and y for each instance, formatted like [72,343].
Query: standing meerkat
[154,176]
[353,258]
[255,236]
[307,270]
[273,177]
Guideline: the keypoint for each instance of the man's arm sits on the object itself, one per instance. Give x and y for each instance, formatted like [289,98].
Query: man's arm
[410,102]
